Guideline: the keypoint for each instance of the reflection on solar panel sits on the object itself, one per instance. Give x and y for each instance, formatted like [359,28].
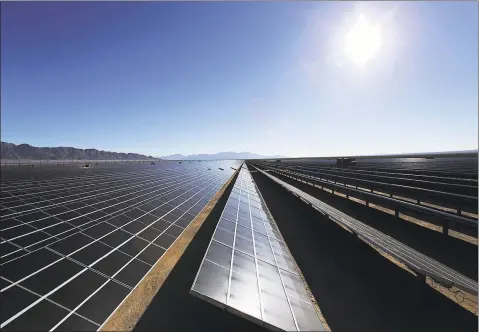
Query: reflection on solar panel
[75,246]
[248,268]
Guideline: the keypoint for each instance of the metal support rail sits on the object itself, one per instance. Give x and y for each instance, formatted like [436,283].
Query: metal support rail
[421,264]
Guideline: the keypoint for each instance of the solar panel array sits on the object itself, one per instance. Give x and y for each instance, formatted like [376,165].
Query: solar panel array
[248,269]
[448,202]
[454,165]
[420,263]
[73,247]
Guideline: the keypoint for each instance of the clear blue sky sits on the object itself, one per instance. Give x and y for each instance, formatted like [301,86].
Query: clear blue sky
[272,78]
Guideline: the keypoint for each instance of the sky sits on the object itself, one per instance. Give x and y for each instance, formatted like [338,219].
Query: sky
[161,78]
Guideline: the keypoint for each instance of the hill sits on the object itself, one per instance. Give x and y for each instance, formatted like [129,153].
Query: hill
[26,151]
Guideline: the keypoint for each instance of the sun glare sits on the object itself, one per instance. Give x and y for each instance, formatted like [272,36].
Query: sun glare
[363,42]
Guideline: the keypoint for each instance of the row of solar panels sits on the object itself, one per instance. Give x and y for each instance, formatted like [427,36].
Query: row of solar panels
[465,168]
[52,162]
[248,269]
[398,197]
[459,170]
[453,165]
[418,262]
[74,247]
[388,174]
[233,275]
[457,196]
[15,174]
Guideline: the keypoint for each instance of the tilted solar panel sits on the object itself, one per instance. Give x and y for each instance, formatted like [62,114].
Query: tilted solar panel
[420,263]
[248,269]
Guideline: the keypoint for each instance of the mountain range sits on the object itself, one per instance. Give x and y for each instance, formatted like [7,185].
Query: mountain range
[219,155]
[26,151]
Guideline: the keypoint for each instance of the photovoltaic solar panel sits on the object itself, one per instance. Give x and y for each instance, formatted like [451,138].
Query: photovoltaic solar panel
[73,247]
[248,269]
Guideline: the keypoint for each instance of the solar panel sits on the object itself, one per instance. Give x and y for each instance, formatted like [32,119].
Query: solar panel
[73,247]
[421,264]
[247,268]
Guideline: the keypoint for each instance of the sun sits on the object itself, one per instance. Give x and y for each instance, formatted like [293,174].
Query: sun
[363,42]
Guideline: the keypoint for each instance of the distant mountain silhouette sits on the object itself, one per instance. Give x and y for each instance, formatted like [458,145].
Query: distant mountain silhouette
[25,151]
[219,155]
